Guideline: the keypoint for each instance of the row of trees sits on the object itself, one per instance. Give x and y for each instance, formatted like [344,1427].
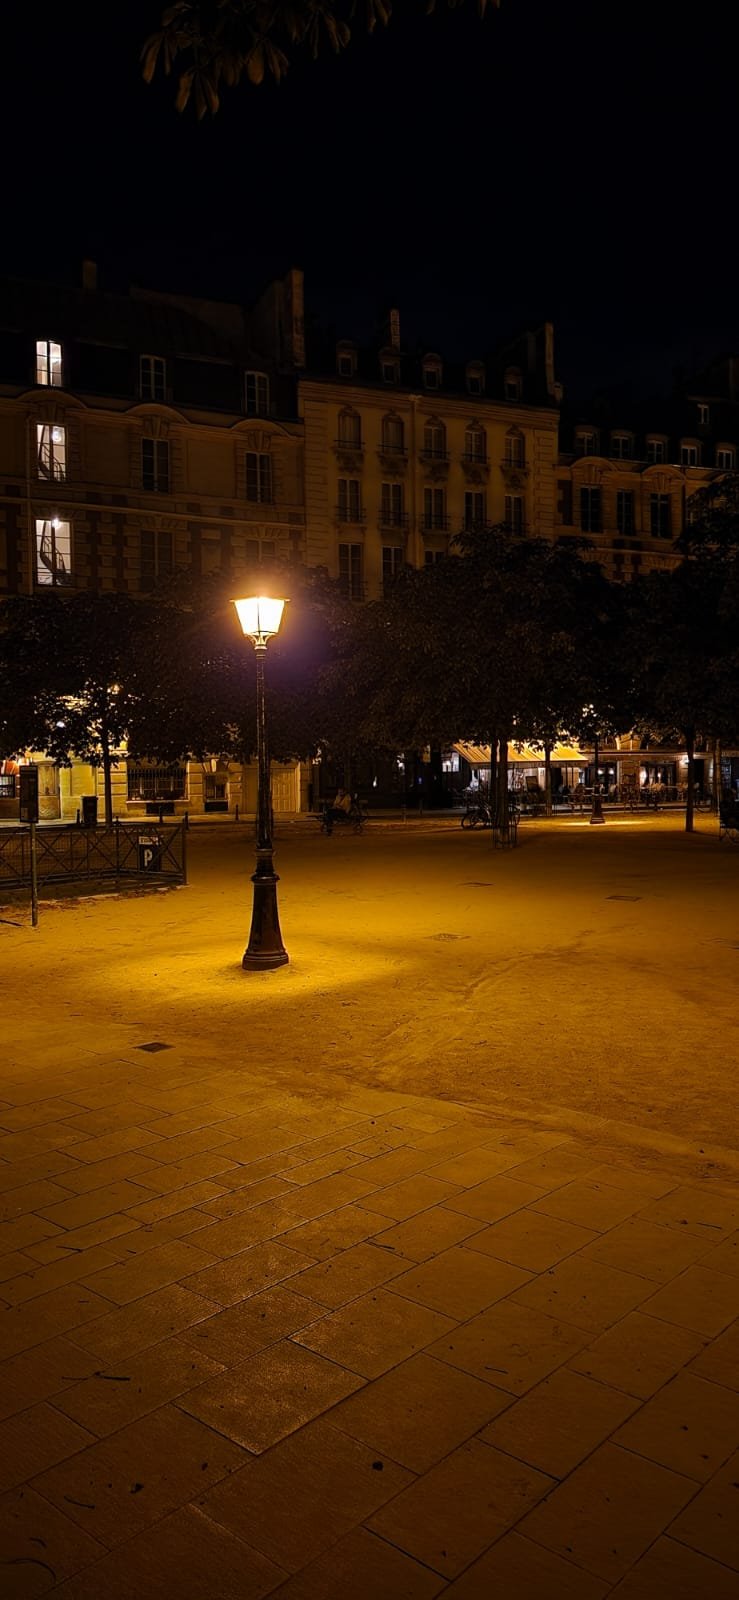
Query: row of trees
[508,638]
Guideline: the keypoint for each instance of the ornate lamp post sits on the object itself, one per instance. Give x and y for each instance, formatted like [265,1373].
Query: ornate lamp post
[260,619]
[596,814]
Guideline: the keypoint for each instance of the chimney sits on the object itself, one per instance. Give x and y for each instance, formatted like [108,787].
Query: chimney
[393,322]
[90,275]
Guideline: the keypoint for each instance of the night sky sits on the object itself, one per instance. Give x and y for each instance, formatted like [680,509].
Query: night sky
[575,161]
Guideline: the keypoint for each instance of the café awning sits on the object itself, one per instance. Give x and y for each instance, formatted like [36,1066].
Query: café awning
[525,755]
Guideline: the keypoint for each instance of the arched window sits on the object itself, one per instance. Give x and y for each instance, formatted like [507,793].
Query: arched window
[350,429]
[393,435]
[434,439]
[515,448]
[475,443]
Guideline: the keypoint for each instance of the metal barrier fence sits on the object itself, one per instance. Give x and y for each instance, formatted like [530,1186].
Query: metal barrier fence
[146,853]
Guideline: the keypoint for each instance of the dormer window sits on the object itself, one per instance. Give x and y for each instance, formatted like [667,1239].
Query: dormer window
[726,457]
[389,366]
[586,442]
[622,446]
[704,414]
[432,372]
[152,378]
[513,384]
[656,450]
[346,359]
[49,363]
[690,453]
[475,376]
[256,394]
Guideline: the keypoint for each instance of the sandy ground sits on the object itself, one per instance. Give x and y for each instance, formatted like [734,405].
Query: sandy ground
[588,975]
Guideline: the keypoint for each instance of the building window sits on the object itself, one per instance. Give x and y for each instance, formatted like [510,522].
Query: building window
[256,394]
[350,430]
[475,443]
[259,476]
[350,571]
[704,414]
[53,552]
[434,440]
[51,451]
[689,455]
[475,375]
[660,518]
[622,446]
[259,550]
[49,363]
[431,557]
[156,783]
[393,436]
[350,500]
[726,457]
[625,512]
[392,565]
[655,452]
[392,505]
[514,520]
[346,360]
[432,372]
[513,384]
[474,509]
[390,369]
[590,510]
[585,442]
[434,509]
[155,465]
[156,550]
[152,378]
[515,449]
[564,501]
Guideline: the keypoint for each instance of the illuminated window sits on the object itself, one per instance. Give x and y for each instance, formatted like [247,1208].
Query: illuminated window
[434,440]
[155,556]
[586,442]
[51,451]
[514,513]
[660,517]
[513,384]
[392,565]
[655,452]
[155,465]
[590,509]
[515,449]
[434,509]
[152,378]
[256,394]
[622,446]
[392,505]
[704,414]
[726,457]
[350,500]
[258,476]
[393,435]
[475,443]
[351,581]
[475,375]
[53,552]
[475,509]
[49,363]
[350,430]
[689,454]
[625,512]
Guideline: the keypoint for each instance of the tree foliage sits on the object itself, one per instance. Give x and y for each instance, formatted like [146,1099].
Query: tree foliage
[213,44]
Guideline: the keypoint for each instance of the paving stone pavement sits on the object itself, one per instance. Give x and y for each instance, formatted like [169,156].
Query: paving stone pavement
[375,1347]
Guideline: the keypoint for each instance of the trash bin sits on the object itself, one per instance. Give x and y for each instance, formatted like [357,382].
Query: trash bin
[89,810]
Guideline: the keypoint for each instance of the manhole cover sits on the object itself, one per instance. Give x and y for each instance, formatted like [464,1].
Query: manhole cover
[446,938]
[153,1047]
[623,897]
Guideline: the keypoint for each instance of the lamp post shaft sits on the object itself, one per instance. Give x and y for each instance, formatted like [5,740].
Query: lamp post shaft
[265,948]
[597,811]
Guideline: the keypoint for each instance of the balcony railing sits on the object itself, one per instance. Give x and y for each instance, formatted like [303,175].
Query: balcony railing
[388,517]
[434,522]
[435,455]
[474,458]
[352,514]
[353,446]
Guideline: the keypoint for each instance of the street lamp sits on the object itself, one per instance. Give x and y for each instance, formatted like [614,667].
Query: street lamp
[596,814]
[260,619]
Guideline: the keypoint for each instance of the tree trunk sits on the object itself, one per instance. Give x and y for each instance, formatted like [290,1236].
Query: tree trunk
[690,797]
[502,796]
[716,785]
[548,779]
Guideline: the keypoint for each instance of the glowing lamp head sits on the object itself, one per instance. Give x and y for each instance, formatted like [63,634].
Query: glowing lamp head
[260,617]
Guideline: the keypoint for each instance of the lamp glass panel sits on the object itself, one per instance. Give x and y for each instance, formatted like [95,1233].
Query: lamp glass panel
[259,615]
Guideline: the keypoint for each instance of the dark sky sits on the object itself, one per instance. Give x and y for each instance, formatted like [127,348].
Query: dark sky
[569,159]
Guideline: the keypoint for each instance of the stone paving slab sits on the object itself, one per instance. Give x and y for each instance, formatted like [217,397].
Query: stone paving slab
[371,1347]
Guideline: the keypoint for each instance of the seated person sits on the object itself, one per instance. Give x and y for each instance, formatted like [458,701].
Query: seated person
[341,807]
